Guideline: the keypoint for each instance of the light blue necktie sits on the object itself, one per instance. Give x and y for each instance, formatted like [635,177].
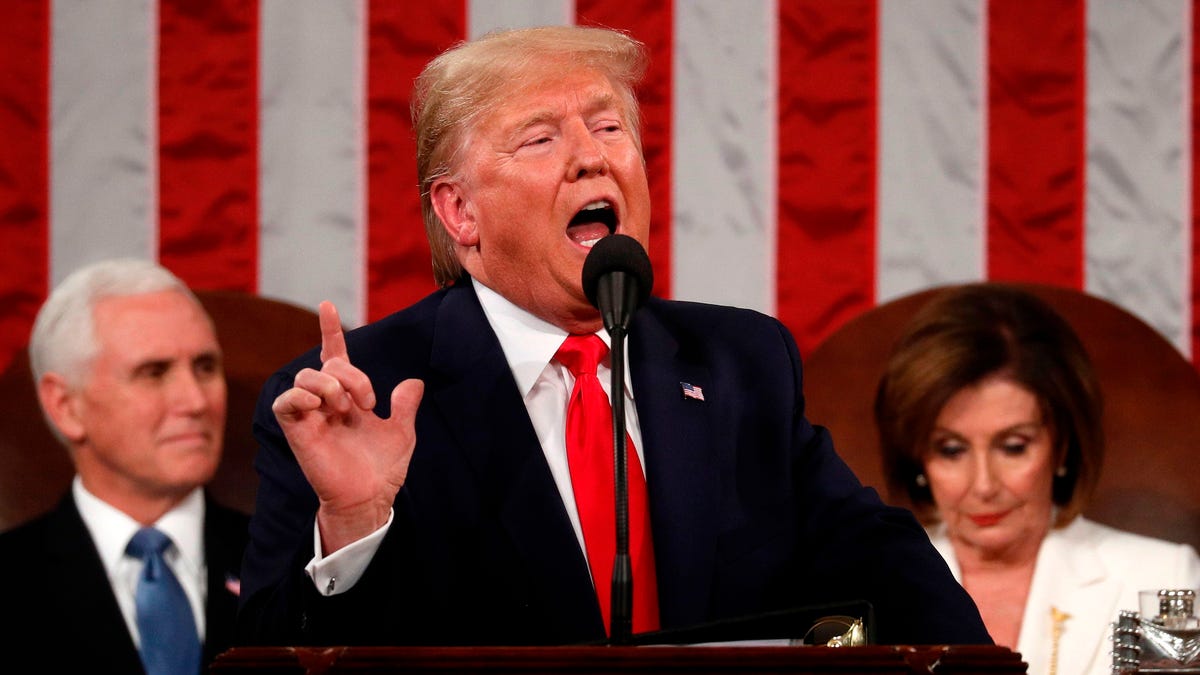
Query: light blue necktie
[170,645]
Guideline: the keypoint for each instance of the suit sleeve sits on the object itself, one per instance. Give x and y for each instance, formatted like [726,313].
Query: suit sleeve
[274,586]
[858,547]
[279,604]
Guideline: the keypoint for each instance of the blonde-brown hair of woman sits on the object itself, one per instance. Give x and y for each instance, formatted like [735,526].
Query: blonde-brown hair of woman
[968,333]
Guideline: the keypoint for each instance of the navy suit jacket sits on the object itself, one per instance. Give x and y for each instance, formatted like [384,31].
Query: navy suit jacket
[63,616]
[751,509]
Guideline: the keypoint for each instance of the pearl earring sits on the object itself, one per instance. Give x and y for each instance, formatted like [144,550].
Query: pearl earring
[921,481]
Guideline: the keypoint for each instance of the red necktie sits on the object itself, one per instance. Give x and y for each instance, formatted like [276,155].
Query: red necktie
[590,456]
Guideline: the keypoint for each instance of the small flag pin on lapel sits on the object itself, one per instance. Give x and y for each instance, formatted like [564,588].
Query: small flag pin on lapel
[692,391]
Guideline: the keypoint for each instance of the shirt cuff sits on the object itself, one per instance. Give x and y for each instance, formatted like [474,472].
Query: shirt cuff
[340,570]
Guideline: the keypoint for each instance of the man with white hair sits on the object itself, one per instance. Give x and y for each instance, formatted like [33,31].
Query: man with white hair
[135,570]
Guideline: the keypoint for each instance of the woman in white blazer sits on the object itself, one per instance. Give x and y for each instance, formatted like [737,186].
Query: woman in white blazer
[989,422]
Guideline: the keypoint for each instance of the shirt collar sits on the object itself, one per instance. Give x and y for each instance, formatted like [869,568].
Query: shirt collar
[111,528]
[529,343]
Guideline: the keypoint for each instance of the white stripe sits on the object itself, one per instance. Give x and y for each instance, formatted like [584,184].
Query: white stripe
[488,15]
[1187,316]
[931,139]
[1137,160]
[723,236]
[103,145]
[312,166]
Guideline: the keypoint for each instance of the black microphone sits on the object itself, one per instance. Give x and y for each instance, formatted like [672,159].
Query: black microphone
[616,279]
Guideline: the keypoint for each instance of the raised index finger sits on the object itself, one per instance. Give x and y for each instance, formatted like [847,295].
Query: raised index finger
[333,342]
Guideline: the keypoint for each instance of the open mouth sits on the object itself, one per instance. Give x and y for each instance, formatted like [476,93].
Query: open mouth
[592,223]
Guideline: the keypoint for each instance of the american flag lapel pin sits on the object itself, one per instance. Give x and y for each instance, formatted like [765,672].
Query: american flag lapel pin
[692,391]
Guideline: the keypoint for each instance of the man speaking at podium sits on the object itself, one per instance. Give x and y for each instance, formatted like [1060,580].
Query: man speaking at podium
[444,475]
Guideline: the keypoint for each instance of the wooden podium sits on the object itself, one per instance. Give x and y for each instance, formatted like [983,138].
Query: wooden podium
[723,660]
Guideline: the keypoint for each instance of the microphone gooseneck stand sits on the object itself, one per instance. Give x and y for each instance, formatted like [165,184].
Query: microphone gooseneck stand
[617,278]
[617,295]
[622,578]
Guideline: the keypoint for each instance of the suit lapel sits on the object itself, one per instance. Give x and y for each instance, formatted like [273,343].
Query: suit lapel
[681,475]
[80,587]
[224,542]
[481,406]
[1070,580]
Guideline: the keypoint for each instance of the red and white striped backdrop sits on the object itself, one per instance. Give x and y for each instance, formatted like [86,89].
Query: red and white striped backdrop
[808,158]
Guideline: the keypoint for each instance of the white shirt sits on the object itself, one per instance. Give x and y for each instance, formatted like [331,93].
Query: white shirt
[111,530]
[529,345]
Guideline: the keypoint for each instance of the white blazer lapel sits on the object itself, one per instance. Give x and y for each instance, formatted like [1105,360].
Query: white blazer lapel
[1073,593]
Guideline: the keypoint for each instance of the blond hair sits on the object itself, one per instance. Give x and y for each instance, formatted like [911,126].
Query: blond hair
[457,87]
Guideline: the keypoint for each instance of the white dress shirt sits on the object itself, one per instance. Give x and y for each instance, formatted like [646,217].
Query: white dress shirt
[529,345]
[111,531]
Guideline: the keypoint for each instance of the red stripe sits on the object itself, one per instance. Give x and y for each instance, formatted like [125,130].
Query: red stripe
[208,141]
[651,22]
[1036,125]
[827,122]
[402,38]
[24,169]
[1195,200]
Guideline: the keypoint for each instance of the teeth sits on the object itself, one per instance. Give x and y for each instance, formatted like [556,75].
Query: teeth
[589,243]
[602,204]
